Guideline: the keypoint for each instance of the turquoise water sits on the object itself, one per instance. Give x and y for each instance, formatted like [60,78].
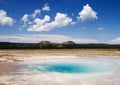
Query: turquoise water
[69,68]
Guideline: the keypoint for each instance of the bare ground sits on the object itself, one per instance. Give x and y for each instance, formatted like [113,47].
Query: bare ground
[27,54]
[9,57]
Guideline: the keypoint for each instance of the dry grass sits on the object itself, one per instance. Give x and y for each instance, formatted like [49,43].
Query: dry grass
[20,55]
[77,52]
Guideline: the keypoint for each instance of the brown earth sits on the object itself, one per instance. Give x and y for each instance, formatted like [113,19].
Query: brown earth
[7,56]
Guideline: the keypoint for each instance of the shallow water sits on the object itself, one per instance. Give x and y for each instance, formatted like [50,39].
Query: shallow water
[69,67]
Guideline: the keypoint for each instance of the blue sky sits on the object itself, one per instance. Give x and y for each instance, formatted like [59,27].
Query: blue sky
[81,21]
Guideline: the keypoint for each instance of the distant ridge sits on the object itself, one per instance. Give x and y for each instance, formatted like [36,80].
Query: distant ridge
[50,45]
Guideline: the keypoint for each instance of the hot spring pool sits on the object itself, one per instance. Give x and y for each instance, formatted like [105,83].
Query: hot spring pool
[69,67]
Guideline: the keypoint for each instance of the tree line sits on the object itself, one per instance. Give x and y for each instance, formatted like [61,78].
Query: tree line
[64,45]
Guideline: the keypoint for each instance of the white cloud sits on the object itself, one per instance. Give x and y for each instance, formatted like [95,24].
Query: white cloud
[61,20]
[46,7]
[25,18]
[4,19]
[28,17]
[39,24]
[36,12]
[87,14]
[73,23]
[115,41]
[30,23]
[34,38]
[100,28]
